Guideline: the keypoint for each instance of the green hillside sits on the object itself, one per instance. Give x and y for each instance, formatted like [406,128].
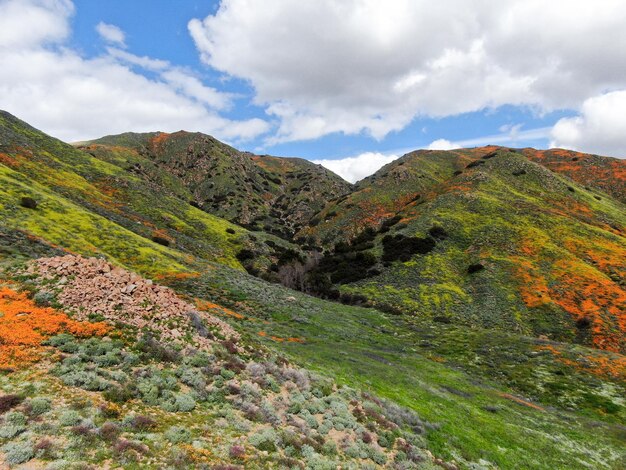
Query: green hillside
[101,367]
[488,238]
[277,195]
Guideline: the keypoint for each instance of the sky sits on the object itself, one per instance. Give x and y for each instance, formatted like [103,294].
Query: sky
[350,84]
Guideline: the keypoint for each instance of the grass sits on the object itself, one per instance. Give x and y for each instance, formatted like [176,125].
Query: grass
[476,413]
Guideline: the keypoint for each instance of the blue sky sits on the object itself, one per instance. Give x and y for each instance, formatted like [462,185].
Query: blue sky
[349,84]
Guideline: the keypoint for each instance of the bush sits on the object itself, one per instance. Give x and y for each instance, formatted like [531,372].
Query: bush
[266,440]
[18,452]
[69,418]
[237,452]
[177,435]
[161,240]
[9,431]
[403,248]
[39,406]
[121,394]
[109,431]
[143,423]
[16,418]
[474,268]
[43,299]
[184,402]
[28,202]
[8,402]
[64,342]
[44,448]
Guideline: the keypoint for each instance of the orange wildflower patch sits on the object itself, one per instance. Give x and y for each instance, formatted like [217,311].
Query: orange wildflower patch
[176,276]
[279,339]
[583,292]
[596,363]
[533,286]
[24,326]
[160,138]
[206,306]
[8,160]
[521,401]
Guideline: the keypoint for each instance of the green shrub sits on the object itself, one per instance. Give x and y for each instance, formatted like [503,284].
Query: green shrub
[266,439]
[64,342]
[184,402]
[69,418]
[16,418]
[9,431]
[18,452]
[177,435]
[39,406]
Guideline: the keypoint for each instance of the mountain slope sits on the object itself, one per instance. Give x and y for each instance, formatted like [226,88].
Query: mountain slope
[488,237]
[84,202]
[277,195]
[483,398]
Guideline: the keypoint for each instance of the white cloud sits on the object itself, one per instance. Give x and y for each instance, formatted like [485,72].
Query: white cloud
[57,90]
[33,22]
[442,144]
[111,33]
[353,169]
[370,66]
[600,128]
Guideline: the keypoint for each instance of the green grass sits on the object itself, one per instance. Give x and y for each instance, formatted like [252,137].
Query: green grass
[367,349]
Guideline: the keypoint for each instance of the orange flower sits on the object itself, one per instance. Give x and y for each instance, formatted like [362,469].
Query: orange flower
[24,326]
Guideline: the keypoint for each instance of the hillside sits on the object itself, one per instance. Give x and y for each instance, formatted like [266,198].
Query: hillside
[485,237]
[277,195]
[103,365]
[80,198]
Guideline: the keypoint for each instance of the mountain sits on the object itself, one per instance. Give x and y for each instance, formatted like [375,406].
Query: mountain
[131,335]
[488,237]
[276,195]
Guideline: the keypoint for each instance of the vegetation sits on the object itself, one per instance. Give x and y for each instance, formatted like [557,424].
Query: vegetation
[494,337]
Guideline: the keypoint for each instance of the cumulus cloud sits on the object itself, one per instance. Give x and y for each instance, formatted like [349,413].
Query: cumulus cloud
[54,88]
[442,144]
[599,128]
[111,33]
[353,169]
[355,66]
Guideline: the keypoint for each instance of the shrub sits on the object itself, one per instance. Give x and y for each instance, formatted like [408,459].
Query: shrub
[266,440]
[125,448]
[64,342]
[9,431]
[8,402]
[109,431]
[402,248]
[39,406]
[43,448]
[237,452]
[18,452]
[28,202]
[121,394]
[143,423]
[161,240]
[474,268]
[69,418]
[178,434]
[438,232]
[43,299]
[16,418]
[184,402]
